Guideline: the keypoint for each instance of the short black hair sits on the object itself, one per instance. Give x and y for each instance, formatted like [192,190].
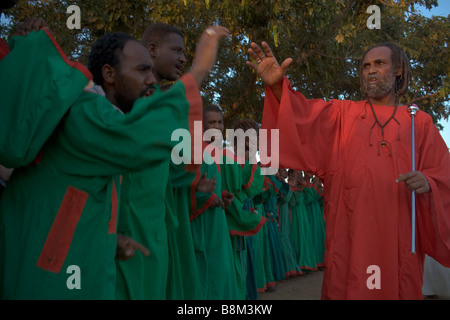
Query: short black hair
[106,51]
[158,31]
[212,108]
[246,124]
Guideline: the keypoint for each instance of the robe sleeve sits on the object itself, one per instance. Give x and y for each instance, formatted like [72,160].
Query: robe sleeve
[239,179]
[184,174]
[39,84]
[312,125]
[253,179]
[433,215]
[201,201]
[4,49]
[114,142]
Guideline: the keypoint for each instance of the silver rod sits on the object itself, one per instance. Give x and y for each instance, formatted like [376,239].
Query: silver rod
[413,109]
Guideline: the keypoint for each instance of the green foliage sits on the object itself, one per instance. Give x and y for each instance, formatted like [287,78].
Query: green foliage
[325,38]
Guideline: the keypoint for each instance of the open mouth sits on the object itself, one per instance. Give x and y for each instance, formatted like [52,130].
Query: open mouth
[372,79]
[149,92]
[179,69]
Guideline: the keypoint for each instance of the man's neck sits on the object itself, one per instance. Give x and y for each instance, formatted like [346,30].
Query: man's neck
[159,81]
[388,100]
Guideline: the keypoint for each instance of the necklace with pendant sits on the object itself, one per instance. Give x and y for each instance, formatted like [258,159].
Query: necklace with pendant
[383,142]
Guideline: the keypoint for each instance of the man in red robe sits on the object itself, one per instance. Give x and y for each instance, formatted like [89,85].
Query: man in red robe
[362,152]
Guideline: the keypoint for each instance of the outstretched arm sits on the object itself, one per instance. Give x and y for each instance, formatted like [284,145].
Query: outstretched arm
[267,67]
[206,52]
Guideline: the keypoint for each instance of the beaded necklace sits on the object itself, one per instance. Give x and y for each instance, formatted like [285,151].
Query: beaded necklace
[383,142]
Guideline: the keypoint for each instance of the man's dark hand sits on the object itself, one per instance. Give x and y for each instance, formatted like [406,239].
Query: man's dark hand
[30,25]
[126,247]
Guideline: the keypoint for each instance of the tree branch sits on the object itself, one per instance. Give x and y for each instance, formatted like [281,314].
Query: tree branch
[336,58]
[426,97]
[328,35]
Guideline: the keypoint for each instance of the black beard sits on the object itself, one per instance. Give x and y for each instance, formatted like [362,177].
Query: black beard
[382,88]
[123,103]
[126,104]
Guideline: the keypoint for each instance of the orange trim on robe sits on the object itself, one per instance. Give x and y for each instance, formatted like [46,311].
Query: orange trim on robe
[195,114]
[112,224]
[61,233]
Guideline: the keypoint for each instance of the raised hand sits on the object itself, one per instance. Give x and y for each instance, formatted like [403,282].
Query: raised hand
[206,185]
[266,65]
[227,198]
[30,25]
[206,52]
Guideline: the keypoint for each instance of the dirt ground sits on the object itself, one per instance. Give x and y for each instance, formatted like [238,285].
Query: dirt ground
[306,287]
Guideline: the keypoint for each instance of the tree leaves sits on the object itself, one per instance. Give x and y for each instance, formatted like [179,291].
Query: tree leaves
[325,39]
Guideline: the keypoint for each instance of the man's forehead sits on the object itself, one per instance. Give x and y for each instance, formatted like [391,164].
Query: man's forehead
[213,114]
[134,52]
[173,39]
[378,53]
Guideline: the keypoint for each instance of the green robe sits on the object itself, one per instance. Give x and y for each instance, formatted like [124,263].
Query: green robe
[286,234]
[302,232]
[273,188]
[152,213]
[141,202]
[261,255]
[58,214]
[269,264]
[212,241]
[244,181]
[312,199]
[184,281]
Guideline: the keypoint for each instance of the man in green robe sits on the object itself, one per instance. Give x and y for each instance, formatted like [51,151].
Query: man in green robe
[156,214]
[286,228]
[213,251]
[58,241]
[147,203]
[302,232]
[243,179]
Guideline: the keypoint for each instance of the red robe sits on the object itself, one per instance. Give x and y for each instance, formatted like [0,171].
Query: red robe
[367,214]
[4,49]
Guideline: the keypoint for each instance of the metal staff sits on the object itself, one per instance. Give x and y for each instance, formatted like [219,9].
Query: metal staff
[413,109]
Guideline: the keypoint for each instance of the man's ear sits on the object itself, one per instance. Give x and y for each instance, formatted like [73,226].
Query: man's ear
[109,74]
[152,49]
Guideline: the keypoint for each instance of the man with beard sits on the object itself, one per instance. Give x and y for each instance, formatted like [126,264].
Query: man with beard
[362,153]
[148,206]
[58,241]
[209,227]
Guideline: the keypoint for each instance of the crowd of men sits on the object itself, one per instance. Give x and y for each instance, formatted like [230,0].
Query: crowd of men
[92,186]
